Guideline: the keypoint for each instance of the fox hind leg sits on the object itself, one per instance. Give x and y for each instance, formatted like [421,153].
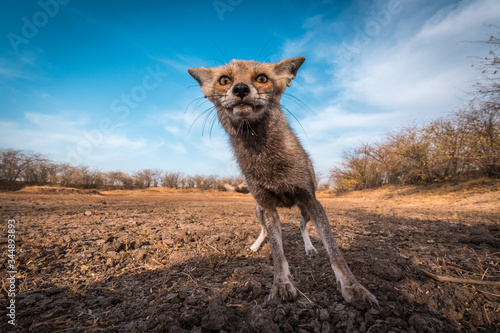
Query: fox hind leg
[263,231]
[309,247]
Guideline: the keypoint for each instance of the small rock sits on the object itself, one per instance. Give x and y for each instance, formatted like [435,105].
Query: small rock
[192,300]
[261,321]
[88,213]
[425,323]
[326,328]
[190,318]
[324,315]
[140,254]
[388,270]
[219,316]
[172,298]
[58,250]
[110,262]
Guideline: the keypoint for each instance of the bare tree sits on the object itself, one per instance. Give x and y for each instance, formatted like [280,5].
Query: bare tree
[90,178]
[142,179]
[485,109]
[69,176]
[12,164]
[198,181]
[483,139]
[210,182]
[37,170]
[189,181]
[172,179]
[156,177]
[120,179]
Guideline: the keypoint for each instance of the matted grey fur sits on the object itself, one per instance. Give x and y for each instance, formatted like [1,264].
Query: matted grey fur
[279,173]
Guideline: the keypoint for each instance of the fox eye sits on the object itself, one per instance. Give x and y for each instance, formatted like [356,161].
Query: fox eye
[224,79]
[261,78]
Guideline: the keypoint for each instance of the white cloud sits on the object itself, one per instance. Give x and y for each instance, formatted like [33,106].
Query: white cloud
[178,148]
[327,153]
[20,66]
[424,74]
[120,141]
[334,118]
[177,123]
[16,135]
[173,129]
[66,138]
[294,48]
[11,73]
[333,130]
[56,121]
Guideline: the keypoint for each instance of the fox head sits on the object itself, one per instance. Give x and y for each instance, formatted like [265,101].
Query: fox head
[246,90]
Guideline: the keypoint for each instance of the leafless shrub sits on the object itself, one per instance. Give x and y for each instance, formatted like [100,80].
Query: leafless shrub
[173,179]
[119,179]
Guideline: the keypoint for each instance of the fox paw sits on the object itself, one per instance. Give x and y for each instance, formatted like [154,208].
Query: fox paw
[285,290]
[359,296]
[311,251]
[253,249]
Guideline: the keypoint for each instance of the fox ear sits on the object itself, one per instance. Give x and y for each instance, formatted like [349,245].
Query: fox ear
[202,75]
[288,68]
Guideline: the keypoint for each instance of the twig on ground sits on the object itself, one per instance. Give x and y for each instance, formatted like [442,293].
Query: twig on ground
[304,295]
[151,316]
[443,278]
[54,321]
[213,247]
[487,293]
[470,272]
[196,282]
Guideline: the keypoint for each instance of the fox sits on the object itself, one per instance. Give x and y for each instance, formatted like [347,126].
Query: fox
[246,95]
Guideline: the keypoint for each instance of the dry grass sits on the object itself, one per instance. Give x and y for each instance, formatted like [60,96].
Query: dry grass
[481,195]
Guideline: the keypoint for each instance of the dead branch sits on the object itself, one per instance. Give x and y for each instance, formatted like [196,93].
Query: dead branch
[444,278]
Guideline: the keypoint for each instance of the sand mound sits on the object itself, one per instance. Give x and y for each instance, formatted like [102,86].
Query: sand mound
[56,190]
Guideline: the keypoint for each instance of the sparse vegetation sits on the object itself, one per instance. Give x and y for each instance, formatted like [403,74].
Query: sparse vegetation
[465,144]
[19,168]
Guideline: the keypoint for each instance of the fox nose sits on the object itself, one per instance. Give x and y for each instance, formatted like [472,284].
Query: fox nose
[241,90]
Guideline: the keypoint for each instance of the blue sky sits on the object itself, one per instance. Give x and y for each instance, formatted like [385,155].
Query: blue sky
[105,83]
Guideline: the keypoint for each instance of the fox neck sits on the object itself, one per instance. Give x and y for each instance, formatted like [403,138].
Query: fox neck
[255,136]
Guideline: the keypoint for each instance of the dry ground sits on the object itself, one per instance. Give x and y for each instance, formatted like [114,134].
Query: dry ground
[175,261]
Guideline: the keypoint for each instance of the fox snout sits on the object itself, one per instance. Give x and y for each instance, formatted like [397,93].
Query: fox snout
[241,90]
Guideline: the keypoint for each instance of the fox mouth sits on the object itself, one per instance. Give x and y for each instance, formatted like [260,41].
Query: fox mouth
[242,108]
[245,111]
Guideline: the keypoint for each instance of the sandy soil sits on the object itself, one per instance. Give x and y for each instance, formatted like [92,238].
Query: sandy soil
[159,260]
